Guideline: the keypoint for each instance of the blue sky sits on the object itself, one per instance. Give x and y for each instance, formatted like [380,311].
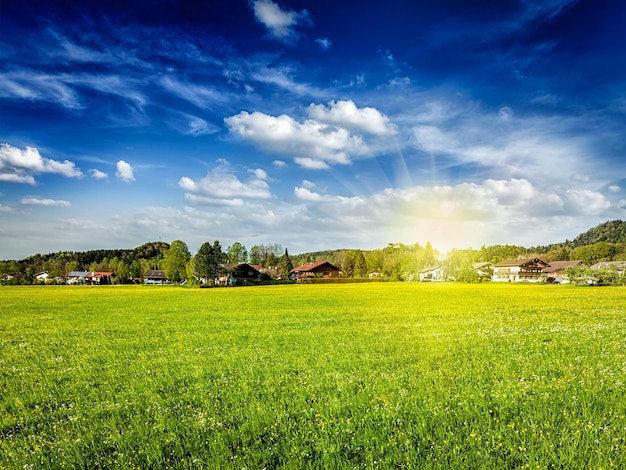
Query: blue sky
[311,124]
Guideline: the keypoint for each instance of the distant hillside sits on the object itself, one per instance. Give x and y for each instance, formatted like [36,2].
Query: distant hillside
[613,231]
[148,250]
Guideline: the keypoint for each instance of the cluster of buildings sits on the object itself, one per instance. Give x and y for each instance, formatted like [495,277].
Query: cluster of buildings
[509,270]
[521,270]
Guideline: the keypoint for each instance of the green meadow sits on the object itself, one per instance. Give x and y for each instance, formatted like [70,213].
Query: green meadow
[381,375]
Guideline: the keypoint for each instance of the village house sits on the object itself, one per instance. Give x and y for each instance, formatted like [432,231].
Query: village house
[484,270]
[555,271]
[432,273]
[97,278]
[76,277]
[322,269]
[155,276]
[619,265]
[519,270]
[242,274]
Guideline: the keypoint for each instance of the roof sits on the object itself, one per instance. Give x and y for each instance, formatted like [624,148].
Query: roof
[77,273]
[482,265]
[429,269]
[556,266]
[621,265]
[155,274]
[519,262]
[97,274]
[242,270]
[310,267]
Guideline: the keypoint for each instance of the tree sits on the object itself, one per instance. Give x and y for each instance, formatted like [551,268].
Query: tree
[208,261]
[285,265]
[428,258]
[175,261]
[237,253]
[348,264]
[360,265]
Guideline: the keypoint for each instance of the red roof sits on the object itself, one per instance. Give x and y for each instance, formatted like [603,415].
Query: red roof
[99,274]
[308,267]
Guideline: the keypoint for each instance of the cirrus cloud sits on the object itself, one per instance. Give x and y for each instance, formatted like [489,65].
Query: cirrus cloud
[38,201]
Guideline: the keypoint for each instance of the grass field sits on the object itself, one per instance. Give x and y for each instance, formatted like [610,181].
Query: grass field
[384,375]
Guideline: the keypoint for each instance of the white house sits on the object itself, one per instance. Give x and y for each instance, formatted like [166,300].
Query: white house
[519,270]
[432,273]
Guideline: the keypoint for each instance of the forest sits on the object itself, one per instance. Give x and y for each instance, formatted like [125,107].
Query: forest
[395,262]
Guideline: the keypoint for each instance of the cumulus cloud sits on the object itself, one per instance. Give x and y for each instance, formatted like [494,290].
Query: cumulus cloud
[614,188]
[334,134]
[345,114]
[37,201]
[19,166]
[280,23]
[99,175]
[125,171]
[305,194]
[279,164]
[222,187]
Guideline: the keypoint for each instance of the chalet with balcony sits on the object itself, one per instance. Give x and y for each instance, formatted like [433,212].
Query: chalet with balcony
[519,270]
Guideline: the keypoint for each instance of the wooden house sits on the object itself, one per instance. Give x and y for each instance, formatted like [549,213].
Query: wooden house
[155,276]
[243,274]
[322,269]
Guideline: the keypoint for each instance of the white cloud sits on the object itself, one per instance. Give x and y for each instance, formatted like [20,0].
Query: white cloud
[19,166]
[187,124]
[282,77]
[324,43]
[29,85]
[586,202]
[311,163]
[279,164]
[201,96]
[614,188]
[305,194]
[125,171]
[259,174]
[99,175]
[545,147]
[329,137]
[278,22]
[222,187]
[309,142]
[345,114]
[37,201]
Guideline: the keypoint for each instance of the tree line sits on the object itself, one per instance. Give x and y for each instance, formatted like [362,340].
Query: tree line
[396,261]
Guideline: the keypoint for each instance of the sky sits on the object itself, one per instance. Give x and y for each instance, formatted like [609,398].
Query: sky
[311,124]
